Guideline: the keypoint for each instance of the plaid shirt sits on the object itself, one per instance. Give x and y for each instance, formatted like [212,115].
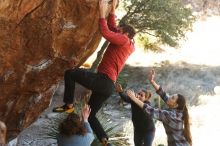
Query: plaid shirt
[172,121]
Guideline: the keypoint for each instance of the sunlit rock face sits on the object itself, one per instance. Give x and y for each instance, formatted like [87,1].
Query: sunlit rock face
[37,39]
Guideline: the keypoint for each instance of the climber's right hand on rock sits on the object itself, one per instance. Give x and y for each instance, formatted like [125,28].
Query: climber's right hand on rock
[103,7]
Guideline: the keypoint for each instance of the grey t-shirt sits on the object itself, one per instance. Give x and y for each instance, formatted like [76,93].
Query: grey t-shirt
[77,140]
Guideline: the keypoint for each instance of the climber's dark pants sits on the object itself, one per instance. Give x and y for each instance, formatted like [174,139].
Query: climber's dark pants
[102,87]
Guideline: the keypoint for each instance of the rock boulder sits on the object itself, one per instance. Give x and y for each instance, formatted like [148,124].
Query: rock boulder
[38,38]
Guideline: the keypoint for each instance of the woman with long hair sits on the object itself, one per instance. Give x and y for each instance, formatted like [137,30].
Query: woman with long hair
[76,132]
[175,119]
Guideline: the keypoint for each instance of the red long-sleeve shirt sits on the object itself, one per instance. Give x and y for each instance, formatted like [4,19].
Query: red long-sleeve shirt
[118,51]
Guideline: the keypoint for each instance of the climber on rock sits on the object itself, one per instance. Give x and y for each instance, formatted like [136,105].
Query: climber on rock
[101,83]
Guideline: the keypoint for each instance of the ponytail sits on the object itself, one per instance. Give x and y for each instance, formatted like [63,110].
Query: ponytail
[181,101]
[186,131]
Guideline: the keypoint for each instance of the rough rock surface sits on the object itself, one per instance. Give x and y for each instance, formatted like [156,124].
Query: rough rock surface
[38,38]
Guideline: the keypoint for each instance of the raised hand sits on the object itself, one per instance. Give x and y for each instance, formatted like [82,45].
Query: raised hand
[86,112]
[151,75]
[131,94]
[118,87]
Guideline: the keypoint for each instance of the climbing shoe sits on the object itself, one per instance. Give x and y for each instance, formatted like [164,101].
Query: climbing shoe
[63,108]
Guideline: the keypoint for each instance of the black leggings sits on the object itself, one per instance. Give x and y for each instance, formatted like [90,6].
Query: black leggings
[102,87]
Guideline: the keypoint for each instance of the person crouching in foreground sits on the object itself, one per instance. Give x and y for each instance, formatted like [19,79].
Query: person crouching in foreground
[76,132]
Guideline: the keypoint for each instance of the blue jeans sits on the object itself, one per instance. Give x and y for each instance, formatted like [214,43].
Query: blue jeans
[144,138]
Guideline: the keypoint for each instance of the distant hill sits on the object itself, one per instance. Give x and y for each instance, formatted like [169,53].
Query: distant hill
[205,7]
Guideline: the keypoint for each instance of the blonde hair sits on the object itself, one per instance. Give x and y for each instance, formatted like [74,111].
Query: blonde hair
[147,94]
